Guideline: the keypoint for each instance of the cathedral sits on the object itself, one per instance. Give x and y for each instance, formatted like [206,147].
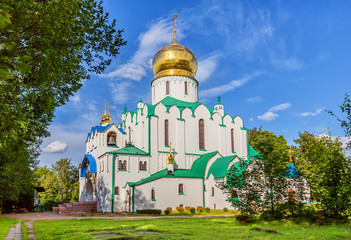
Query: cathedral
[172,152]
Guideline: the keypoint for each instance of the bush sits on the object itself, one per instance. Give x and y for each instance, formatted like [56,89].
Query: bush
[200,209]
[225,209]
[269,216]
[167,211]
[243,218]
[192,210]
[187,208]
[149,211]
[207,209]
[180,209]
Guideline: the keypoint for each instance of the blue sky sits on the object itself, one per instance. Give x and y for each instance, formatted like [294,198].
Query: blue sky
[277,64]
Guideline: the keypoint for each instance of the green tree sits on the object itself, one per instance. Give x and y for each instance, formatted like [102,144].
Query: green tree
[327,170]
[47,49]
[274,151]
[60,183]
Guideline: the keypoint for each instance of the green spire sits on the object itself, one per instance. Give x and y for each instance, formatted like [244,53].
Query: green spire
[125,109]
[219,100]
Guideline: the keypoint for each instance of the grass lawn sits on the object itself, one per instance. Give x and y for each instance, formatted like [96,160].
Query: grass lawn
[189,228]
[5,225]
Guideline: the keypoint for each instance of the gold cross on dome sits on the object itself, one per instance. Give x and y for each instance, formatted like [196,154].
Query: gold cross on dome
[175,26]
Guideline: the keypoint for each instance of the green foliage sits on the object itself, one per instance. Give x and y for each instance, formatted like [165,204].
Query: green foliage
[274,150]
[200,209]
[192,210]
[47,48]
[207,210]
[149,211]
[327,171]
[225,209]
[60,183]
[167,211]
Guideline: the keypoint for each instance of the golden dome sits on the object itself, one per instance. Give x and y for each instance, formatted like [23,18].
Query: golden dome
[174,59]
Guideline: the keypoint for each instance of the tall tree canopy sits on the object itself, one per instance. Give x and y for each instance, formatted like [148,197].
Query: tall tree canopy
[47,47]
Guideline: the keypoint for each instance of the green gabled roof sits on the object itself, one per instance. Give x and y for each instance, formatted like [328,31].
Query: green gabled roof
[254,153]
[199,166]
[197,171]
[220,166]
[169,102]
[150,109]
[129,150]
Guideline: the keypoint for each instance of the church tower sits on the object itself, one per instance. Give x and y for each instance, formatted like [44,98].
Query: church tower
[174,68]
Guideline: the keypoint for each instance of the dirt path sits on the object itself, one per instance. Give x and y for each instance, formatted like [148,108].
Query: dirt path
[31,233]
[54,216]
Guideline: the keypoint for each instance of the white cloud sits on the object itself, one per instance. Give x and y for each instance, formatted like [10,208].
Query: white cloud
[251,120]
[75,98]
[317,112]
[150,41]
[254,99]
[121,91]
[289,63]
[216,91]
[55,147]
[206,67]
[279,107]
[268,116]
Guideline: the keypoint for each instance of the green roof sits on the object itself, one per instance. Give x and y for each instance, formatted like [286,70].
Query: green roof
[129,150]
[254,153]
[197,171]
[220,166]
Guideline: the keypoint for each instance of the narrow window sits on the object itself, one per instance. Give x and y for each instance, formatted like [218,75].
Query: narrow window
[145,167]
[116,190]
[140,165]
[153,198]
[185,88]
[180,189]
[212,191]
[120,164]
[124,164]
[166,133]
[201,134]
[130,134]
[103,165]
[167,87]
[232,139]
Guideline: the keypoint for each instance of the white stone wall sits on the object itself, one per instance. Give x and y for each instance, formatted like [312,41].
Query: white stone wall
[176,88]
[166,193]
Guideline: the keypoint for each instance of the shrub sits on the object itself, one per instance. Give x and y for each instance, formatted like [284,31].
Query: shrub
[200,209]
[225,209]
[243,218]
[207,209]
[167,211]
[187,208]
[149,211]
[180,209]
[192,210]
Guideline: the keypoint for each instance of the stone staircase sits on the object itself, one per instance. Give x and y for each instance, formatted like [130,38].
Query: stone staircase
[76,207]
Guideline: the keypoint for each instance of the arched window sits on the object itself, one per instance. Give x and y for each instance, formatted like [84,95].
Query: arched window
[201,134]
[185,88]
[212,191]
[140,165]
[124,164]
[167,87]
[145,166]
[112,138]
[166,133]
[120,165]
[180,189]
[153,198]
[232,139]
[130,134]
[116,190]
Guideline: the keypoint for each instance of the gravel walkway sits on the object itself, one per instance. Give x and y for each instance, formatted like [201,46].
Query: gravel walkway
[15,232]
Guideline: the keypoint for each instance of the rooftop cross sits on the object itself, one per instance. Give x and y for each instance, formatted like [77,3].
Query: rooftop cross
[174,31]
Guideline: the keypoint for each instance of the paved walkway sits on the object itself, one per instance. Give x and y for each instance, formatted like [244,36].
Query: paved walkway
[54,216]
[15,232]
